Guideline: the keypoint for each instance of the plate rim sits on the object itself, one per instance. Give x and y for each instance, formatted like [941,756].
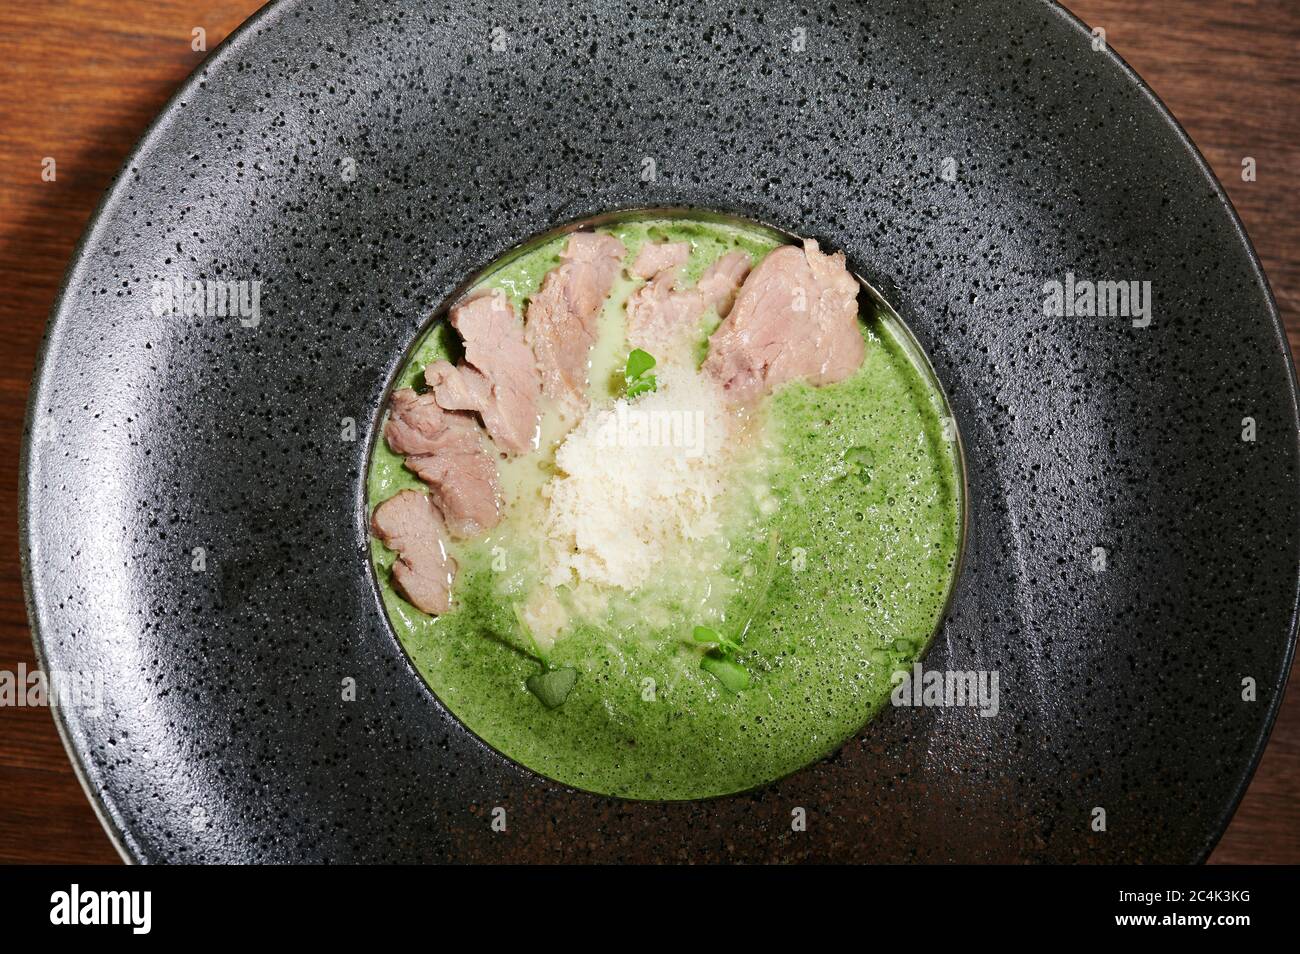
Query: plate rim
[1293,391]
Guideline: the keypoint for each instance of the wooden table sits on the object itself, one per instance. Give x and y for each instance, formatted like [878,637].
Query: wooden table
[80,80]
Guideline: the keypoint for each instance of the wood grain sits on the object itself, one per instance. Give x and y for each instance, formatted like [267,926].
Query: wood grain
[81,79]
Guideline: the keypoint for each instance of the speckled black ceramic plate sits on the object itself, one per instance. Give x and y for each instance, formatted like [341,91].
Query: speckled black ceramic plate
[193,485]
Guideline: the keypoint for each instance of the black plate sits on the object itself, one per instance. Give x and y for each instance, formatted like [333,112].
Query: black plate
[224,734]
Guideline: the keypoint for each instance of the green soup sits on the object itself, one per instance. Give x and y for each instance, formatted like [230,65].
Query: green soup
[832,563]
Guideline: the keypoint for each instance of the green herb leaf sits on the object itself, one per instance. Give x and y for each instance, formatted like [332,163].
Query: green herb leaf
[642,386]
[638,363]
[703,634]
[553,686]
[635,379]
[731,674]
[721,663]
[710,636]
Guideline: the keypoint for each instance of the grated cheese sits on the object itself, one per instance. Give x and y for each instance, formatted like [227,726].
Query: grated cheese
[635,480]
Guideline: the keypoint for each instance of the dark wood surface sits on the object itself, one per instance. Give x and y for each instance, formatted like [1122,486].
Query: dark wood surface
[80,80]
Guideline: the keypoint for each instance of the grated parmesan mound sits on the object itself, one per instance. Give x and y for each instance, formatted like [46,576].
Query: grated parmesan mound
[635,480]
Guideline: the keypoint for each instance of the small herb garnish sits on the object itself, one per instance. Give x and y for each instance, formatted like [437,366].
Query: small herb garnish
[731,674]
[550,686]
[721,663]
[705,634]
[636,380]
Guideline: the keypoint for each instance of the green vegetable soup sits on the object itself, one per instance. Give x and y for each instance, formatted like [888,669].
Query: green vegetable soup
[745,652]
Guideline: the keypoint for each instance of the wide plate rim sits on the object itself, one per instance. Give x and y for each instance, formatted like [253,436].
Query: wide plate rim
[108,814]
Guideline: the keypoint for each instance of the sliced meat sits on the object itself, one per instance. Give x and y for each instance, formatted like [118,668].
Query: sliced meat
[459,388]
[498,379]
[410,523]
[722,280]
[562,317]
[658,313]
[657,257]
[445,449]
[796,316]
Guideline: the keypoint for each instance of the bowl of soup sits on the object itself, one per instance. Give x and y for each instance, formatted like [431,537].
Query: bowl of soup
[663,506]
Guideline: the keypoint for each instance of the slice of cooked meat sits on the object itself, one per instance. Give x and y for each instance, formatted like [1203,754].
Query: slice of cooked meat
[498,379]
[445,449]
[562,317]
[423,571]
[722,280]
[796,316]
[658,312]
[656,257]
